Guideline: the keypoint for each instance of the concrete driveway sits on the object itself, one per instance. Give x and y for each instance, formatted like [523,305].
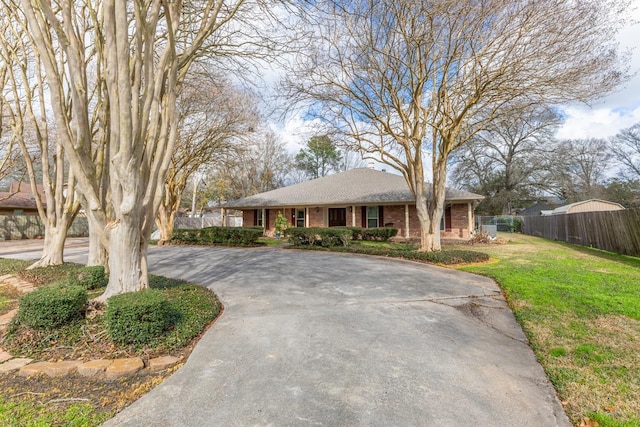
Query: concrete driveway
[311,338]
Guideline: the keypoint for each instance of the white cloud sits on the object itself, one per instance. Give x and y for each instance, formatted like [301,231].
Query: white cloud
[618,110]
[597,122]
[296,131]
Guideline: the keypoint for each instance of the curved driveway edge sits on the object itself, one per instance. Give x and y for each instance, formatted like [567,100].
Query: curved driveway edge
[313,338]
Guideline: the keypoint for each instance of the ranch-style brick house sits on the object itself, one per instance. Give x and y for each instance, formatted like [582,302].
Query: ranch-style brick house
[359,198]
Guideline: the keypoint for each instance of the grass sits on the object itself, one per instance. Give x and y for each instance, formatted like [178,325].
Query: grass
[580,309]
[75,400]
[271,241]
[25,413]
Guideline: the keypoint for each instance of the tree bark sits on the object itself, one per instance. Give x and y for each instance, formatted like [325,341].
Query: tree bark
[52,253]
[97,252]
[127,248]
[165,223]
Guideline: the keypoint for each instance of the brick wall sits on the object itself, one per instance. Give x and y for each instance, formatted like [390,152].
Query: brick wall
[318,217]
[459,222]
[247,218]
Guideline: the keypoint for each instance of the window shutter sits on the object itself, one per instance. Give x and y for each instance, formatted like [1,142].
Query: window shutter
[364,217]
[293,217]
[266,219]
[380,216]
[255,217]
[447,218]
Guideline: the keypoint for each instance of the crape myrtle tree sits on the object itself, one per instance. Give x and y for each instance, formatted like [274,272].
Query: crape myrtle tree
[411,81]
[505,162]
[136,55]
[24,100]
[10,155]
[213,116]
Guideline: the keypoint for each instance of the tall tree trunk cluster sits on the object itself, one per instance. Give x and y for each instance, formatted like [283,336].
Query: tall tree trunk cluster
[107,75]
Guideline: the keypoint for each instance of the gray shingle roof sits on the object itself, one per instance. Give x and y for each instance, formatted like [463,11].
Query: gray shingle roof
[353,187]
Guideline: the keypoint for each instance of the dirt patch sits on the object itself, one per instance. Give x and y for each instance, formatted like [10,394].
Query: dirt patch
[106,397]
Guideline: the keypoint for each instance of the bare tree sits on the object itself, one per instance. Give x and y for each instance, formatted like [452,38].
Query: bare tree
[261,163]
[213,116]
[626,150]
[24,100]
[410,80]
[576,169]
[133,57]
[504,161]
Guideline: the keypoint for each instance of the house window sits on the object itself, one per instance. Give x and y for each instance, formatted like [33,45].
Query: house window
[300,218]
[372,217]
[259,216]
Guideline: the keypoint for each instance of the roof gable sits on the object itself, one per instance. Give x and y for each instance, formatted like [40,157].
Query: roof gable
[353,187]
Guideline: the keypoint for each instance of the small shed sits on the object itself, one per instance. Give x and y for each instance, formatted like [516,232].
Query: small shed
[592,205]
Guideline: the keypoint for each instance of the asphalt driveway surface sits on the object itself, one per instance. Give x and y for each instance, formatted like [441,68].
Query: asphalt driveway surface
[320,339]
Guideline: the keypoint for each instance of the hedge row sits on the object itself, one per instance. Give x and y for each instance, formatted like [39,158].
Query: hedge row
[228,236]
[446,257]
[337,236]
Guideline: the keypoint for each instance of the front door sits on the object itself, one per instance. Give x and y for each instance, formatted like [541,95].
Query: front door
[337,217]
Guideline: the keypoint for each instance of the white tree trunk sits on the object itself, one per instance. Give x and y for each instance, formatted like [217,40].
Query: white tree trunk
[97,252]
[127,257]
[52,253]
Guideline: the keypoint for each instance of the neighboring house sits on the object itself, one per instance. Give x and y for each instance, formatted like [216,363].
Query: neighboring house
[592,205]
[19,200]
[537,209]
[359,197]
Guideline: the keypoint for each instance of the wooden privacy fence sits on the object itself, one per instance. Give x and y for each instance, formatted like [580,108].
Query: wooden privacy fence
[16,227]
[615,231]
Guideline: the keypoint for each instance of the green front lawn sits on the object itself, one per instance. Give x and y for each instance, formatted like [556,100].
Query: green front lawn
[580,309]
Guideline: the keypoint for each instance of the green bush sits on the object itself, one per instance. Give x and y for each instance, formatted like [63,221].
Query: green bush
[51,306]
[92,277]
[319,236]
[228,236]
[137,317]
[356,232]
[330,237]
[301,236]
[446,257]
[381,234]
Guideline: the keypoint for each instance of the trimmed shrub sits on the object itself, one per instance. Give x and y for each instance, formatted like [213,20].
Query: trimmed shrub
[319,236]
[137,317]
[228,236]
[90,278]
[381,234]
[356,232]
[301,236]
[330,237]
[51,306]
